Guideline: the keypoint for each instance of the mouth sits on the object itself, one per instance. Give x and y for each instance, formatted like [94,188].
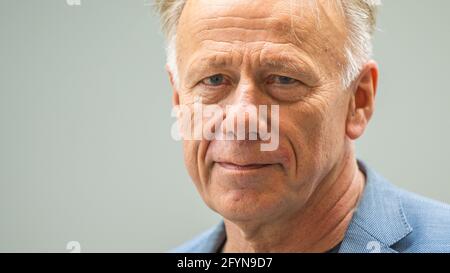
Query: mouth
[236,167]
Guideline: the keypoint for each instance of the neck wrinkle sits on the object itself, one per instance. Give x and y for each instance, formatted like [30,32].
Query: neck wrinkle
[336,203]
[336,232]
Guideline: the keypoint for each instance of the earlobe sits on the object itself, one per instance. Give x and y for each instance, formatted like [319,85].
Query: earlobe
[356,125]
[362,102]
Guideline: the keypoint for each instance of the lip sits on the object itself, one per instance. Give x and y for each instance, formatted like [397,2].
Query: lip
[237,167]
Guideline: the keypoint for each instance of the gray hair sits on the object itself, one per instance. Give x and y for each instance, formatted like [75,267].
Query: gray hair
[360,18]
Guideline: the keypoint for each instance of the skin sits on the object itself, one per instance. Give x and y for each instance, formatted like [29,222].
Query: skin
[300,197]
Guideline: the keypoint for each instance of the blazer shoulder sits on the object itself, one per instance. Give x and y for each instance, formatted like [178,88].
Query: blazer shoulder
[207,241]
[430,222]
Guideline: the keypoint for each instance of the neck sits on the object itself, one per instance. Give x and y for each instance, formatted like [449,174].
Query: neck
[317,227]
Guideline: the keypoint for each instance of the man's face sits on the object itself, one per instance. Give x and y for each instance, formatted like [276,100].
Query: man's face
[268,52]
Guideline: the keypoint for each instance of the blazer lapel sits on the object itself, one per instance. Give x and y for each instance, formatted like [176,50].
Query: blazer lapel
[379,221]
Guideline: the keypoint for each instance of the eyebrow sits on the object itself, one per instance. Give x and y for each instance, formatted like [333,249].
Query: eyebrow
[212,61]
[283,63]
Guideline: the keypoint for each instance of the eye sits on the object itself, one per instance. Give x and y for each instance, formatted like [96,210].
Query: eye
[215,80]
[281,80]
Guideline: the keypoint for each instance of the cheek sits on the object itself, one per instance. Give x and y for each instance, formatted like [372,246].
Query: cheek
[316,129]
[321,117]
[304,126]
[190,149]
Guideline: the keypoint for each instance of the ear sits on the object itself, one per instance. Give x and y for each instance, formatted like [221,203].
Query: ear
[175,94]
[362,101]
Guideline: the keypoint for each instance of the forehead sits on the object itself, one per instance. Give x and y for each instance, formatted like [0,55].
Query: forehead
[310,26]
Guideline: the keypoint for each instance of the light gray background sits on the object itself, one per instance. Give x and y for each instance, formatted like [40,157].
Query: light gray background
[85,146]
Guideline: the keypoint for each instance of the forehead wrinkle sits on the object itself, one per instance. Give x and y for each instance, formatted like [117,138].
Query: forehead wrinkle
[303,17]
[265,23]
[302,31]
[237,31]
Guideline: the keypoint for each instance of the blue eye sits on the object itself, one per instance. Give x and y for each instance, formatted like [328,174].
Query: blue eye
[283,80]
[214,80]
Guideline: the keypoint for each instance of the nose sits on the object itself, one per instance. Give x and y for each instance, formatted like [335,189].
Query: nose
[246,116]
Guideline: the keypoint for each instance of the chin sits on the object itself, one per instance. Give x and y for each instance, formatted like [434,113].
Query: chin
[247,205]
